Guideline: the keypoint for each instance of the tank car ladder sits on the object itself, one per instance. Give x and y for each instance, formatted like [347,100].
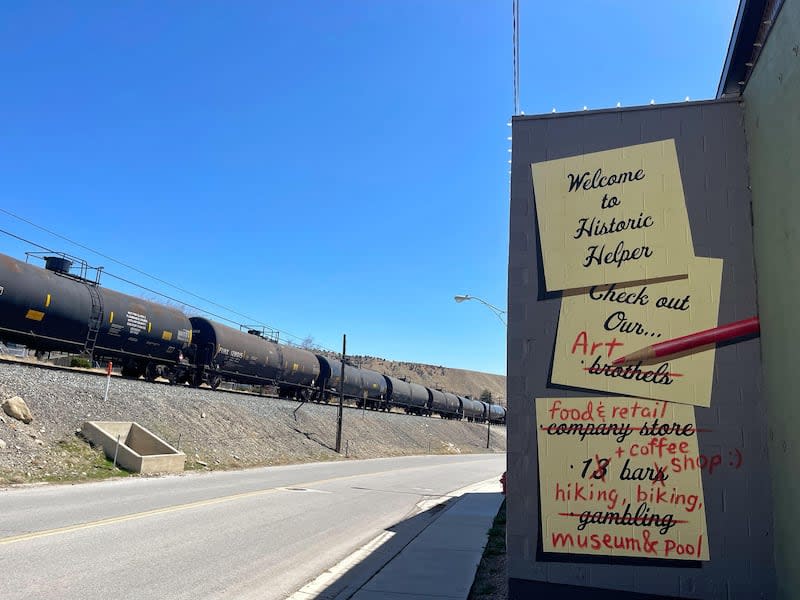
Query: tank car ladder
[95,320]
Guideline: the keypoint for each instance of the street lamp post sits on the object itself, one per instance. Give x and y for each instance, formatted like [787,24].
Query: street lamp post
[498,312]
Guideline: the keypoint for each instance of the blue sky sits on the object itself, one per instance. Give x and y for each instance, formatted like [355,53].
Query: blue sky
[320,167]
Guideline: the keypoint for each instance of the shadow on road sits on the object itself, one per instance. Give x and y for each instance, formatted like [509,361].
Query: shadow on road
[346,579]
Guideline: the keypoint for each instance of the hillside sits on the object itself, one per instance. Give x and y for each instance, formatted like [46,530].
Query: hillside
[216,429]
[458,381]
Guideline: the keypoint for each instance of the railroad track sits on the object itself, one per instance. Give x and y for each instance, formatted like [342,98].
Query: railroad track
[101,372]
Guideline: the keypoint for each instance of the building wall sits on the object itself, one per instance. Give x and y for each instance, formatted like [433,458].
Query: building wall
[772,124]
[711,149]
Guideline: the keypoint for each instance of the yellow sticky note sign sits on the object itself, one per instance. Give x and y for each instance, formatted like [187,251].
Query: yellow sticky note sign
[620,477]
[602,323]
[612,216]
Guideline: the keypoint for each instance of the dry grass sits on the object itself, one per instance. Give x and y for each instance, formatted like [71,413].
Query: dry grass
[491,580]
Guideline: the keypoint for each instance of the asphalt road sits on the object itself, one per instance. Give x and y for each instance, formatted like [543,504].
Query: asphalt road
[260,533]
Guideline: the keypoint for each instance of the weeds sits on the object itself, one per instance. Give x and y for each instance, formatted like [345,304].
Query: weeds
[490,580]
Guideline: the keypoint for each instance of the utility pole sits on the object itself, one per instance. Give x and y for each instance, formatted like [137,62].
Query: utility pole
[341,398]
[488,426]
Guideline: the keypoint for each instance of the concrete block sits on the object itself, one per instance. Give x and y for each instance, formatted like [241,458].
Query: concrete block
[137,449]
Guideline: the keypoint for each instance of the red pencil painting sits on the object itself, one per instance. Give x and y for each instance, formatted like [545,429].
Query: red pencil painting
[715,335]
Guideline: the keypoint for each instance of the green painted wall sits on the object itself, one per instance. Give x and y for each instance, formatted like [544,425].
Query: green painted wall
[772,122]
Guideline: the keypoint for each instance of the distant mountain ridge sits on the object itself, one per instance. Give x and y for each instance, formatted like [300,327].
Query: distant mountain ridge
[458,381]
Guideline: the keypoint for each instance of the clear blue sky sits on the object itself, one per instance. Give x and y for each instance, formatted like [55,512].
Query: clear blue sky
[322,167]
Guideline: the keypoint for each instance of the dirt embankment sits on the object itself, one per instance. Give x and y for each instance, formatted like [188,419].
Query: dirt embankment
[219,429]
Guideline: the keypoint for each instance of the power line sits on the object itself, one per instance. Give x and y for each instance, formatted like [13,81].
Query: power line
[46,249]
[163,295]
[515,22]
[152,291]
[132,268]
[8,233]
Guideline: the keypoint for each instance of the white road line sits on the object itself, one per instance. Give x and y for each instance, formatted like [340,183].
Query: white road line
[312,590]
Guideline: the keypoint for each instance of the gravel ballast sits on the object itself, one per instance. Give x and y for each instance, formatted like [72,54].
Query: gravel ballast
[216,429]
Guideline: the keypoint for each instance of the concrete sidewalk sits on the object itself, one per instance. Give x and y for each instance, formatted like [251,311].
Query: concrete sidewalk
[442,560]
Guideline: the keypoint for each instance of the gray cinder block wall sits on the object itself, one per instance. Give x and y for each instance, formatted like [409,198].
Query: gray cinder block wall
[710,142]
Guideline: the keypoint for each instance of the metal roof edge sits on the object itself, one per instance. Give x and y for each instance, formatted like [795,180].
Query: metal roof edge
[753,26]
[731,45]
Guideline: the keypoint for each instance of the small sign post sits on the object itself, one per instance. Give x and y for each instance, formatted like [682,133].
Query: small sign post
[108,379]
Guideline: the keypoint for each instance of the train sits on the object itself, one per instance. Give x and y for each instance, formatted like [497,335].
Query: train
[61,308]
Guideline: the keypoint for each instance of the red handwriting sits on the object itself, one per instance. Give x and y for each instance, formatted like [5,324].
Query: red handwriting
[582,342]
[708,463]
[631,543]
[639,410]
[656,446]
[576,414]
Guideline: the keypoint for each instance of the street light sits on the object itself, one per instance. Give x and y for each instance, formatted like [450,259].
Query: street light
[499,312]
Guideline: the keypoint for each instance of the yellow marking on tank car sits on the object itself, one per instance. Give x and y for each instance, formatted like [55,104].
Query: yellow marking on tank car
[149,326]
[34,315]
[47,301]
[167,335]
[295,366]
[111,317]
